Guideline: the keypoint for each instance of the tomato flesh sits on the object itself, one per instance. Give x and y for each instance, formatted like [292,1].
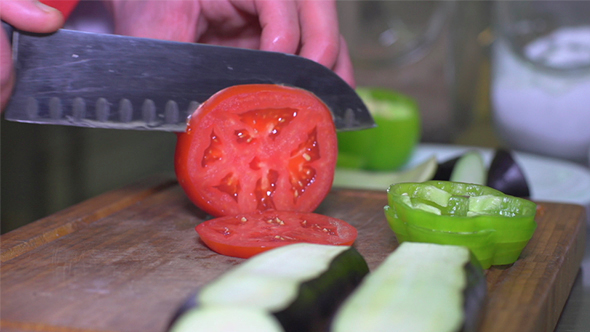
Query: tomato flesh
[259,147]
[246,235]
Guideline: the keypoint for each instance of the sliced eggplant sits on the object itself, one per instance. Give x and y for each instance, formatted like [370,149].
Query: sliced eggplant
[419,287]
[227,319]
[506,175]
[445,169]
[301,285]
[470,168]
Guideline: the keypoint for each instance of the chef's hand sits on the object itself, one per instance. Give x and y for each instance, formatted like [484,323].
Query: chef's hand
[304,27]
[26,15]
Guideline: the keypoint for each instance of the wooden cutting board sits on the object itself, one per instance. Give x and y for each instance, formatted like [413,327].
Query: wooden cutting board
[124,261]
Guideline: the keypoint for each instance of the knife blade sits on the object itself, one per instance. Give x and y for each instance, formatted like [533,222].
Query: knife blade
[96,80]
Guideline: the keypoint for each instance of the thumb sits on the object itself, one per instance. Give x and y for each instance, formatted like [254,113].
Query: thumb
[31,15]
[26,15]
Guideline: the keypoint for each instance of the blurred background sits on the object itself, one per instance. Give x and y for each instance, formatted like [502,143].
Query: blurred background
[438,52]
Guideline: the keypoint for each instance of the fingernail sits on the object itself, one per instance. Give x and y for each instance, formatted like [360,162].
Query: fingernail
[44,7]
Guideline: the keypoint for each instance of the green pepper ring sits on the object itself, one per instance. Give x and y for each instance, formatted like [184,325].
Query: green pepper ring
[496,236]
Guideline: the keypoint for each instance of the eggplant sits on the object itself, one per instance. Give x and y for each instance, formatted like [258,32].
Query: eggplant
[445,169]
[419,287]
[299,285]
[227,319]
[468,167]
[506,175]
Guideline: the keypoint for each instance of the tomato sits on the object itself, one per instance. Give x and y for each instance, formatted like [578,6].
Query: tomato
[64,6]
[389,145]
[258,147]
[246,235]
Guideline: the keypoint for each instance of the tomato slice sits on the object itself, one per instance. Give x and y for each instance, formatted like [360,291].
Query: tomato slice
[246,235]
[258,147]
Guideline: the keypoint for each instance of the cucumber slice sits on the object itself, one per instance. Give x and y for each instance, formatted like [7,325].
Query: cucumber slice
[227,319]
[470,168]
[419,287]
[300,284]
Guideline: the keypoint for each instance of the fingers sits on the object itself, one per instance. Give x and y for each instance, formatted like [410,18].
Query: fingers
[343,66]
[320,37]
[280,26]
[6,73]
[308,28]
[30,15]
[169,20]
[26,15]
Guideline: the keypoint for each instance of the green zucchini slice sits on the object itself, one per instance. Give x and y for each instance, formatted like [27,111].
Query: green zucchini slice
[419,287]
[226,319]
[301,285]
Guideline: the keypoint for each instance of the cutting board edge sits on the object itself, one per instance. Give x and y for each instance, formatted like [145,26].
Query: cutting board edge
[550,307]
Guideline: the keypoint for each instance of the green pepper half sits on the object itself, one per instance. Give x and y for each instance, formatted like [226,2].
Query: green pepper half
[495,226]
[391,143]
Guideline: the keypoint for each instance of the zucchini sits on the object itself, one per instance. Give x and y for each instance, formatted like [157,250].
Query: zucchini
[419,287]
[301,285]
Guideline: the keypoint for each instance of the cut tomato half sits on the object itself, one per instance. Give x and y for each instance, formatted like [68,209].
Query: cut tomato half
[258,147]
[246,235]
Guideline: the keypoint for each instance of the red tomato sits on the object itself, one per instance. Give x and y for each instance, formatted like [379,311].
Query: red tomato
[246,235]
[258,147]
[64,6]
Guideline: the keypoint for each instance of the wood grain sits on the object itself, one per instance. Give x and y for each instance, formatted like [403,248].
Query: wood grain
[539,283]
[67,221]
[126,260]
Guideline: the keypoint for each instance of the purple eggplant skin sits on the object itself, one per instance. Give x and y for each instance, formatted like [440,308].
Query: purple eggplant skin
[474,295]
[505,174]
[317,299]
[445,169]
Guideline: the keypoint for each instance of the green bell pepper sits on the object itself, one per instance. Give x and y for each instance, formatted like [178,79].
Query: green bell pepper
[390,144]
[495,226]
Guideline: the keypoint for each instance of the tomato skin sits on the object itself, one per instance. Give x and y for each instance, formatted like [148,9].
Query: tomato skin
[64,6]
[258,147]
[246,235]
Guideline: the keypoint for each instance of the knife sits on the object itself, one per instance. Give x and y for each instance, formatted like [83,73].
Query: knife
[97,80]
